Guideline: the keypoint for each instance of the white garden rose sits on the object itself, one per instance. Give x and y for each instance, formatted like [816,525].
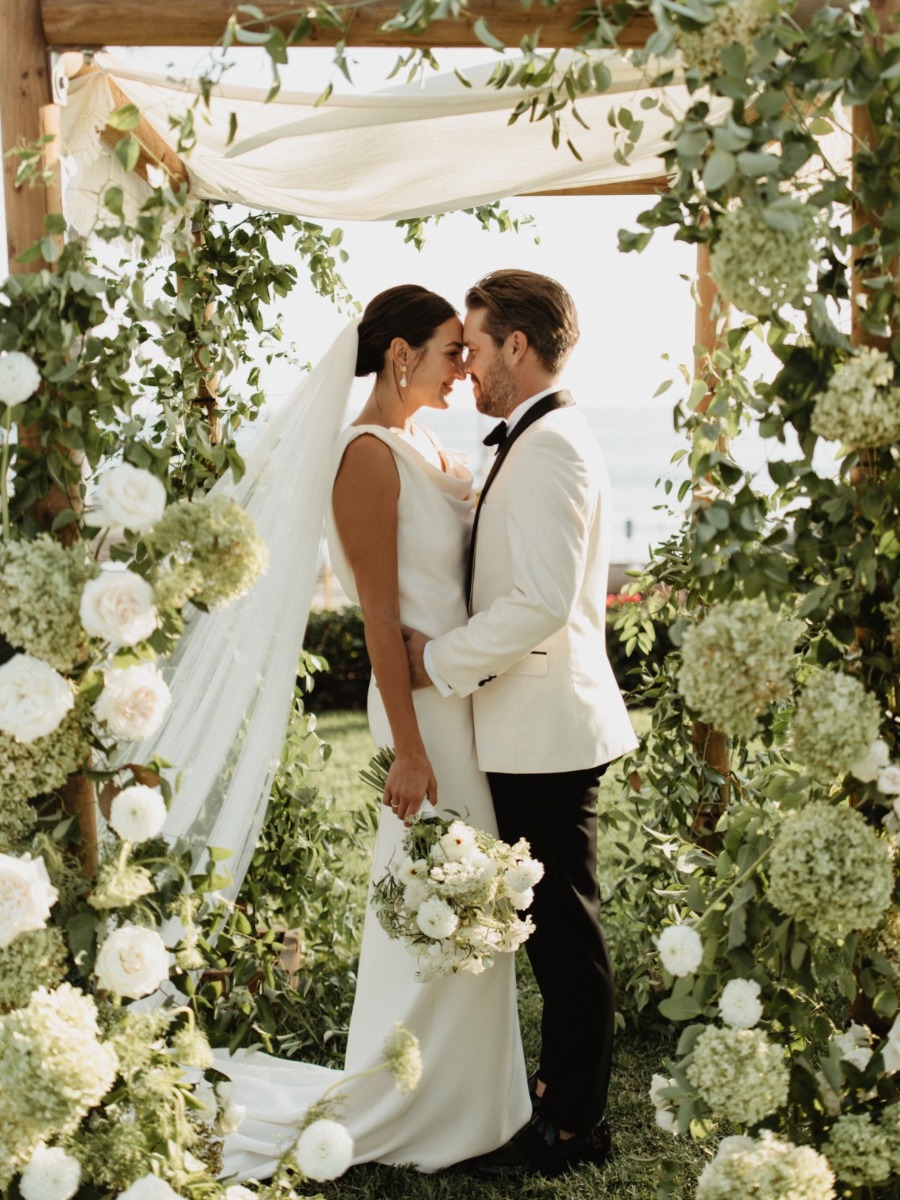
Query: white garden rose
[137,813]
[118,607]
[129,496]
[26,896]
[134,701]
[149,1187]
[132,962]
[876,758]
[33,698]
[889,781]
[324,1150]
[436,918]
[51,1174]
[739,1005]
[680,949]
[19,378]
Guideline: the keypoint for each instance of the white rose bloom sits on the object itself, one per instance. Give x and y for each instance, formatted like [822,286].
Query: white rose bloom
[19,378]
[149,1187]
[237,1191]
[889,781]
[129,496]
[118,607]
[680,949]
[33,698]
[324,1150]
[137,813]
[51,1174]
[132,962]
[666,1119]
[134,701]
[873,762]
[739,1005]
[26,896]
[436,918]
[458,842]
[891,1049]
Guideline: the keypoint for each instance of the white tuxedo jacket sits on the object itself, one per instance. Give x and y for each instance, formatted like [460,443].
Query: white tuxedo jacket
[533,654]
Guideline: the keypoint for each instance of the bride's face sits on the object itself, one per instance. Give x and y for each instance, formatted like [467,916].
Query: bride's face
[435,368]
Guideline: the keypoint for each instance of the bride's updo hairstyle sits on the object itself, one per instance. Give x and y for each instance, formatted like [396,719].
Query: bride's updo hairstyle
[408,311]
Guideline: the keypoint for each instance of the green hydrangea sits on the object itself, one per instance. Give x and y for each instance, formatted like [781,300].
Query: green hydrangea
[40,591]
[759,268]
[736,662]
[732,21]
[890,1127]
[35,768]
[119,884]
[887,941]
[17,820]
[831,870]
[206,551]
[859,407]
[765,1168]
[836,722]
[739,1073]
[858,1150]
[32,960]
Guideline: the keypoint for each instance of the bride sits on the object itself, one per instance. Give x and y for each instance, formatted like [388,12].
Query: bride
[398,527]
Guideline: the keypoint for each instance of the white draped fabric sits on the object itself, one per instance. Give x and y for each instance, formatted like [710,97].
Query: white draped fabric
[403,151]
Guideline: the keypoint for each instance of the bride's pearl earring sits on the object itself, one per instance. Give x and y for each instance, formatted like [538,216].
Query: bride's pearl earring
[403,380]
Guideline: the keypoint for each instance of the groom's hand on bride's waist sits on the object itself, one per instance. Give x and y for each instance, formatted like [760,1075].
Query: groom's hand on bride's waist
[415,642]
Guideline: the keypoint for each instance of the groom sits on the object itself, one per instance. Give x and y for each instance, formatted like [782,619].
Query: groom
[548,712]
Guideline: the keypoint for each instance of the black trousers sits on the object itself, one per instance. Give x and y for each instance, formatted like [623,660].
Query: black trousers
[557,813]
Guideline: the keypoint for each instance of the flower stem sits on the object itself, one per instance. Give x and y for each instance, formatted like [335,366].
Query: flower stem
[735,883]
[4,470]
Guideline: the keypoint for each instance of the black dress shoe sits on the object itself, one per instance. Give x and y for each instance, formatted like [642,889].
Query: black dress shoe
[538,1149]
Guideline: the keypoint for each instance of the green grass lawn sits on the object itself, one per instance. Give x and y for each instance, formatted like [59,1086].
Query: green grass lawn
[640,1148]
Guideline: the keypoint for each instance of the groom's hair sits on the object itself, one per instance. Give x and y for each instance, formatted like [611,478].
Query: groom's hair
[408,311]
[536,305]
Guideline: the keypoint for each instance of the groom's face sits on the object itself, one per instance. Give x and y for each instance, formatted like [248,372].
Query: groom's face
[492,382]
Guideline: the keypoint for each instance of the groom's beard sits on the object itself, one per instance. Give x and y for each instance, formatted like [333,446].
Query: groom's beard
[498,392]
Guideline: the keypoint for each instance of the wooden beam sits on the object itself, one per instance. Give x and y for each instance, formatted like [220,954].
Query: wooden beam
[80,24]
[634,187]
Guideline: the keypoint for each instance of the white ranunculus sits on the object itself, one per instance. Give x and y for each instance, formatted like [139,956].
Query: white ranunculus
[26,896]
[118,607]
[132,962]
[436,918]
[129,496]
[51,1174]
[891,1049]
[33,698]
[889,781]
[680,949]
[134,701]
[324,1150]
[149,1187]
[19,378]
[739,1005]
[873,762]
[137,813]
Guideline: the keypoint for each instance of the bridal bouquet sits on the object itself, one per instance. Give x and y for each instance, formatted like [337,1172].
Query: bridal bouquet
[454,895]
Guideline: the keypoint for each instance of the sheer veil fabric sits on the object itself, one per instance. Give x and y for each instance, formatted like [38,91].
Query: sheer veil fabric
[233,673]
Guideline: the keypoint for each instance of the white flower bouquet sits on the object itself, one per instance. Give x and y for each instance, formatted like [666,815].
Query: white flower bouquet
[455,895]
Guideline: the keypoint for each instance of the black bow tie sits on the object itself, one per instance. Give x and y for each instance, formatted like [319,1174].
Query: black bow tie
[497,436]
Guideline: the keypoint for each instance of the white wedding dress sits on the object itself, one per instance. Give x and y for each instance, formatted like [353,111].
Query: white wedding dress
[473,1094]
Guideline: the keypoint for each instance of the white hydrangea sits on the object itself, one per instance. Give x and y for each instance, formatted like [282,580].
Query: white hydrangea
[739,1073]
[150,1187]
[680,949]
[736,662]
[51,1174]
[129,496]
[765,1168]
[835,724]
[759,268]
[739,1004]
[26,896]
[118,607]
[872,763]
[137,813]
[860,407]
[324,1150]
[134,701]
[132,962]
[830,869]
[404,1058]
[858,1151]
[436,918]
[19,378]
[731,21]
[34,698]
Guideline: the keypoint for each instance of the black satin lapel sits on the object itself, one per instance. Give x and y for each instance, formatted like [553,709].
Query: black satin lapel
[555,400]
